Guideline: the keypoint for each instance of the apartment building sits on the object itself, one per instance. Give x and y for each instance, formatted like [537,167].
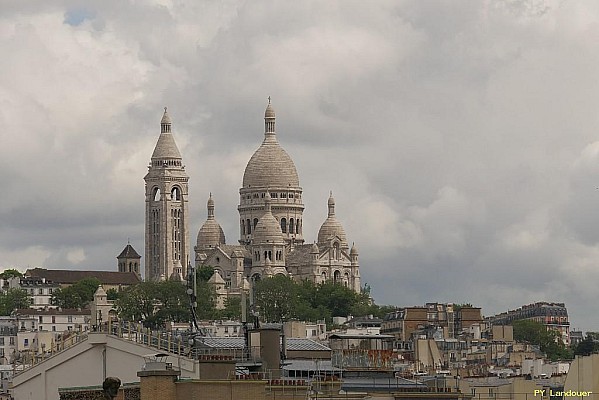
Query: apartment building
[553,315]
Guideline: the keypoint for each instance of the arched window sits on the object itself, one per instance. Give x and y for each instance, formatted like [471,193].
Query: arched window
[242,227]
[283,225]
[337,277]
[297,226]
[176,194]
[156,194]
[249,227]
[291,226]
[255,222]
[323,276]
[346,279]
[336,251]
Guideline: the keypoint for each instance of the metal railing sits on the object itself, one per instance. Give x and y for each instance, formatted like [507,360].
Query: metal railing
[166,341]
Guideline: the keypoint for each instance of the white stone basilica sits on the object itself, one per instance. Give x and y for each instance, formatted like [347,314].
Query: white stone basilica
[271,239]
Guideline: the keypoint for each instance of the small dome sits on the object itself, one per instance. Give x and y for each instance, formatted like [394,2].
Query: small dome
[331,227]
[268,229]
[354,250]
[211,233]
[314,249]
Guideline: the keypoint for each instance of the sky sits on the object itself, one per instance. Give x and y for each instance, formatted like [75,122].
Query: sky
[460,138]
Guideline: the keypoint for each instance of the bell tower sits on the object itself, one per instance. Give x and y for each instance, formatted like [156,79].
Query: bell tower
[166,228]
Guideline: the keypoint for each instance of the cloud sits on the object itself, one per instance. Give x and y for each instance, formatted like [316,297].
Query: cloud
[459,139]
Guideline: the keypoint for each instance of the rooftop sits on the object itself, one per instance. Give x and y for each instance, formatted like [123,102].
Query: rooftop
[69,276]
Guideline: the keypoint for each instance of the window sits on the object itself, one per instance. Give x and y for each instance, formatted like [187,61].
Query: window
[41,319]
[26,342]
[226,329]
[53,319]
[11,341]
[41,291]
[50,291]
[1,341]
[70,319]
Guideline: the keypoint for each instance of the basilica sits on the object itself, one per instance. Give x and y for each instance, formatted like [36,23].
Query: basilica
[271,238]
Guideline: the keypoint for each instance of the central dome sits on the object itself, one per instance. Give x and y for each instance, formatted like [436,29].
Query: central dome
[270,166]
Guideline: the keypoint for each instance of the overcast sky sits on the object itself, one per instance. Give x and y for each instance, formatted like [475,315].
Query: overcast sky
[460,138]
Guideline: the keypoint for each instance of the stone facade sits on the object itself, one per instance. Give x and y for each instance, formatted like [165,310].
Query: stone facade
[166,230]
[271,238]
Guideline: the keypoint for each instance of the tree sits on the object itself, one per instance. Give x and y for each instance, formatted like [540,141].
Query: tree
[204,273]
[549,341]
[154,303]
[139,303]
[78,295]
[10,273]
[588,346]
[112,294]
[174,302]
[276,298]
[12,300]
[206,300]
[232,309]
[338,299]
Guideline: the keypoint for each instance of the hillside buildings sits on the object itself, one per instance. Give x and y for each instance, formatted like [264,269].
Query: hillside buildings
[553,315]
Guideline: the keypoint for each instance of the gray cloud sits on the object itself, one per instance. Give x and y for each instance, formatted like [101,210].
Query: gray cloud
[459,139]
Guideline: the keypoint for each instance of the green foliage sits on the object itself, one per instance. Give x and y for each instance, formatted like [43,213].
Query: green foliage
[78,295]
[13,299]
[280,298]
[10,273]
[232,309]
[206,299]
[138,303]
[112,294]
[276,298]
[154,303]
[587,346]
[549,341]
[593,335]
[203,274]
